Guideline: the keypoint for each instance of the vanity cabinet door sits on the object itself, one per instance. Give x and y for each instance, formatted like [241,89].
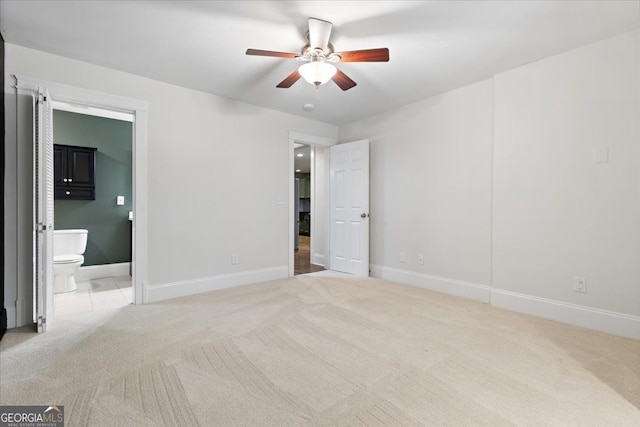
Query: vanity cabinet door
[74,172]
[59,165]
[81,167]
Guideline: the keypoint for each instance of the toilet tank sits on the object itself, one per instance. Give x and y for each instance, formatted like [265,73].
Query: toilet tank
[69,242]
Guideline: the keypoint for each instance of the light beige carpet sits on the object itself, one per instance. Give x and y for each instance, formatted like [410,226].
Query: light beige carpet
[323,351]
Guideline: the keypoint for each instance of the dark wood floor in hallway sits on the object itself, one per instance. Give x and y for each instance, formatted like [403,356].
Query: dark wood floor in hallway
[302,257]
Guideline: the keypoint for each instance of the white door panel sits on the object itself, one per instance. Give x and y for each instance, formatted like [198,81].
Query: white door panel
[43,203]
[349,179]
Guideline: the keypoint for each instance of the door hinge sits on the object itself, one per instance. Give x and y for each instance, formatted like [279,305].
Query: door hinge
[42,321]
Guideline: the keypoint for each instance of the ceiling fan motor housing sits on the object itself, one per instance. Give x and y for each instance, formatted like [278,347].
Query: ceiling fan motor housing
[317,54]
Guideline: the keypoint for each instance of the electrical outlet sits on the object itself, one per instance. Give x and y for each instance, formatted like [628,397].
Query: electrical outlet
[235,259]
[120,200]
[580,284]
[420,259]
[403,257]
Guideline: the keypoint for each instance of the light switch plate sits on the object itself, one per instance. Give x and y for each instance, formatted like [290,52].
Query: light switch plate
[601,155]
[120,200]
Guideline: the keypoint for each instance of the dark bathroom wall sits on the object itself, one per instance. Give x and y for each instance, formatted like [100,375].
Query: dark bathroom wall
[108,224]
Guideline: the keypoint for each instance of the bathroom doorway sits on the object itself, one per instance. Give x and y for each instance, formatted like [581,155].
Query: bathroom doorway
[98,144]
[36,96]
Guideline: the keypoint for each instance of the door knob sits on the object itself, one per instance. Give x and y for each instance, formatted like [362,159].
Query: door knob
[363,215]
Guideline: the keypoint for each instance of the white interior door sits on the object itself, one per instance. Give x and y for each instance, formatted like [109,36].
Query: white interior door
[349,190]
[43,212]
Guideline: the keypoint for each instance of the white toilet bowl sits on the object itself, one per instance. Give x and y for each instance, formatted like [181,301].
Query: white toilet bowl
[68,247]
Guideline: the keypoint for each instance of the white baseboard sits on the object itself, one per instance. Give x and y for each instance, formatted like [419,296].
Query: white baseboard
[206,284]
[11,318]
[593,318]
[444,285]
[318,259]
[91,272]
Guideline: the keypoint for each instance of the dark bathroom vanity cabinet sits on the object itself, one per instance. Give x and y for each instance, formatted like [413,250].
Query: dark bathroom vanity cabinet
[74,172]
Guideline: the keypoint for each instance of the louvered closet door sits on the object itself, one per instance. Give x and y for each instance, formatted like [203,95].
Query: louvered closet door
[43,203]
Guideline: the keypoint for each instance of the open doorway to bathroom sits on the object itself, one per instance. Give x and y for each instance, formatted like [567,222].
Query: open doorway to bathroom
[305,173]
[96,145]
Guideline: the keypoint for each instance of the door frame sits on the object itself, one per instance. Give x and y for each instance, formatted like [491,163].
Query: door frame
[314,141]
[85,98]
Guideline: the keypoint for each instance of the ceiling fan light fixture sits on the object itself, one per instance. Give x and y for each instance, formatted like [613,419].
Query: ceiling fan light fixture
[317,72]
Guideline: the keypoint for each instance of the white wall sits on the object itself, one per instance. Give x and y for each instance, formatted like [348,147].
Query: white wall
[557,214]
[216,167]
[431,188]
[495,184]
[506,206]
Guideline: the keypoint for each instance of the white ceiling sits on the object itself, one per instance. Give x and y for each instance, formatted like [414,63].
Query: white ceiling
[435,46]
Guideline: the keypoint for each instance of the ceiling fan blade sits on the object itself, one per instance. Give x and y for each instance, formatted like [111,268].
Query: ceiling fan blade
[319,32]
[259,52]
[366,55]
[343,81]
[289,80]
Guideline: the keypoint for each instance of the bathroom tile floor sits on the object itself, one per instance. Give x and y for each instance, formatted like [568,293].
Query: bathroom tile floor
[96,294]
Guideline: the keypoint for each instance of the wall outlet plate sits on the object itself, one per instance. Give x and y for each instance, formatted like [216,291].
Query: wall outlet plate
[580,284]
[420,259]
[235,259]
[403,257]
[120,200]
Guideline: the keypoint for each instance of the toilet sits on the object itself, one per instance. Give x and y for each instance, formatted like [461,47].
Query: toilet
[68,247]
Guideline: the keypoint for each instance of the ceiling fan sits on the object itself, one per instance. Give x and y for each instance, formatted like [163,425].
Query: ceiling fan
[319,57]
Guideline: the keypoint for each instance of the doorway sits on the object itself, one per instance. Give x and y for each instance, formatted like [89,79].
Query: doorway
[101,142]
[304,156]
[309,213]
[29,94]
